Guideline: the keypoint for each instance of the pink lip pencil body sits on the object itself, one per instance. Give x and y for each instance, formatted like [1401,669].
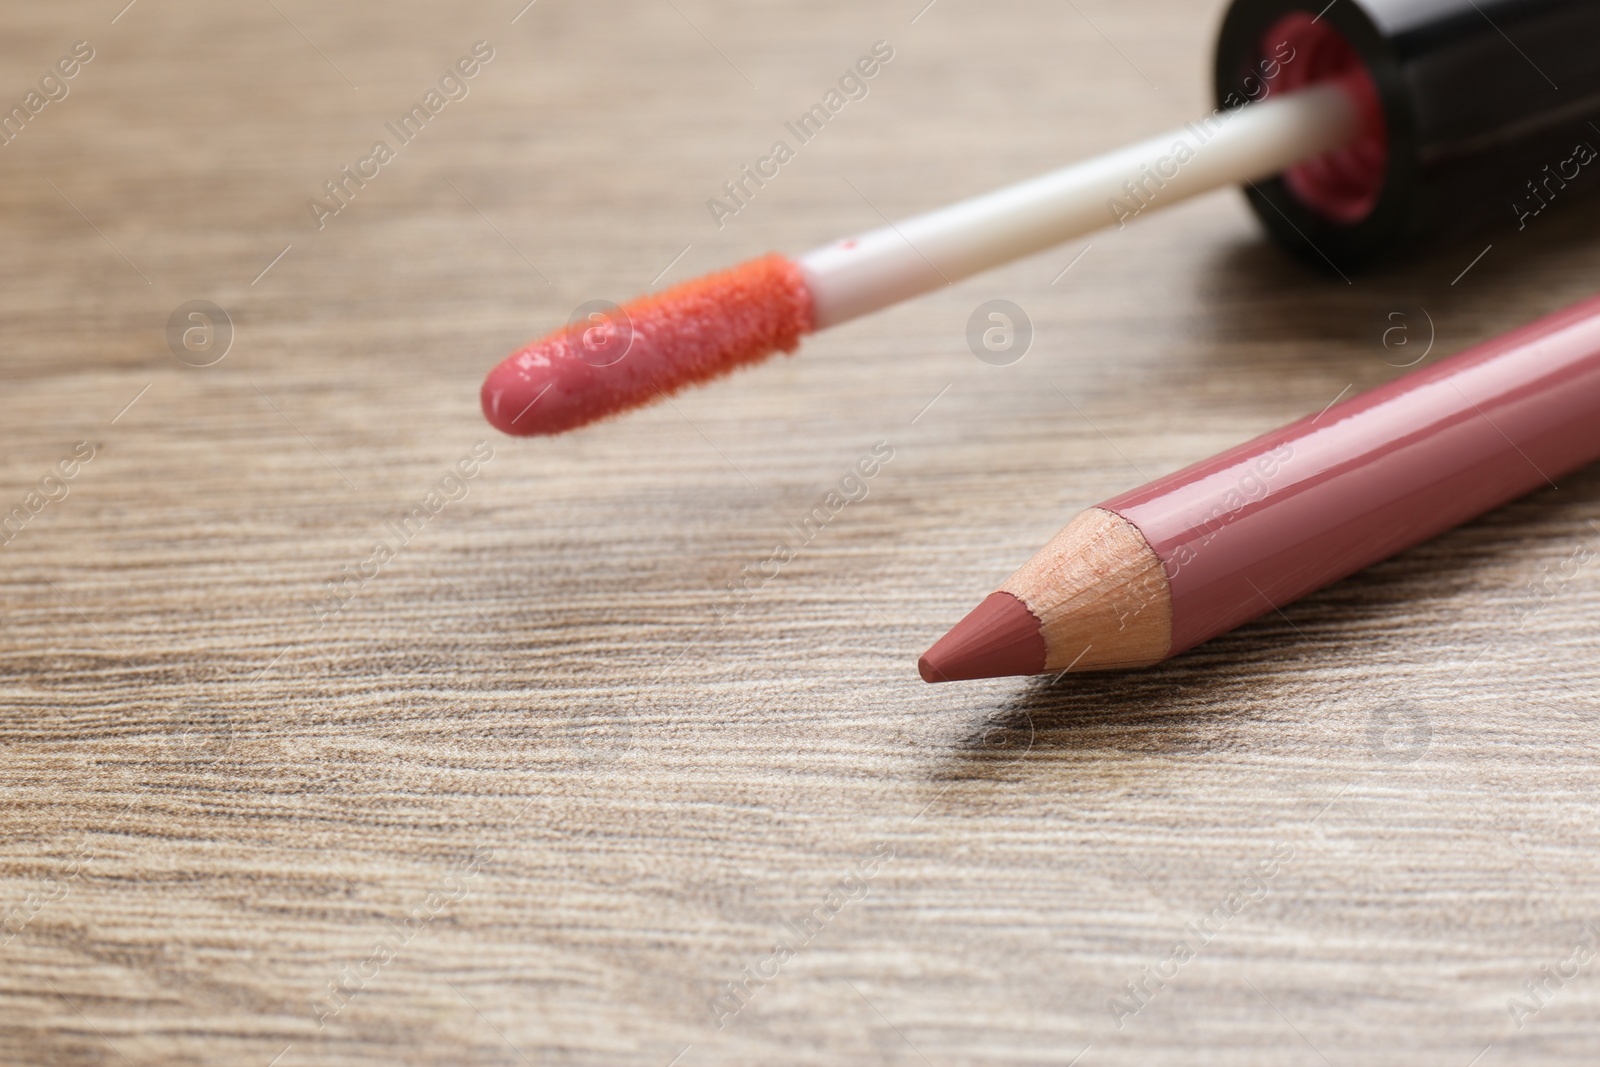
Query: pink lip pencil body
[1157,570]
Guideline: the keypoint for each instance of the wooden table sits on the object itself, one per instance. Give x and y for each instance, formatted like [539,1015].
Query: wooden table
[517,796]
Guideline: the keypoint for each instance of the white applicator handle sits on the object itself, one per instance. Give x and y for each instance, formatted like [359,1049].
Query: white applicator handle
[896,262]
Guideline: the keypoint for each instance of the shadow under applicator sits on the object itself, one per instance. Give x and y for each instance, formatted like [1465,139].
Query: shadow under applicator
[1353,129]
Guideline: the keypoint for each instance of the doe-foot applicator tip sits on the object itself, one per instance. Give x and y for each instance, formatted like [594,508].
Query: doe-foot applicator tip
[622,358]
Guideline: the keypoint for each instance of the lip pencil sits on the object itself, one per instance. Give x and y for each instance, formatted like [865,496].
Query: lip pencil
[1162,568]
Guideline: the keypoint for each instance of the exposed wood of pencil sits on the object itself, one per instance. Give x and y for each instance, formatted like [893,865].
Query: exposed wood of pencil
[1100,595]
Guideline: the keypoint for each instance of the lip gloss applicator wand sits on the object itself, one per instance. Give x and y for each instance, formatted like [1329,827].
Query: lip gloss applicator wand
[707,327]
[1354,129]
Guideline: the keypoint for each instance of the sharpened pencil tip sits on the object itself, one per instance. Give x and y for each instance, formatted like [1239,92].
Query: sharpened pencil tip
[999,637]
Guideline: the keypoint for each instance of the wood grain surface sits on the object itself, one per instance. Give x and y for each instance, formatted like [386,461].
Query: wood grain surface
[542,786]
